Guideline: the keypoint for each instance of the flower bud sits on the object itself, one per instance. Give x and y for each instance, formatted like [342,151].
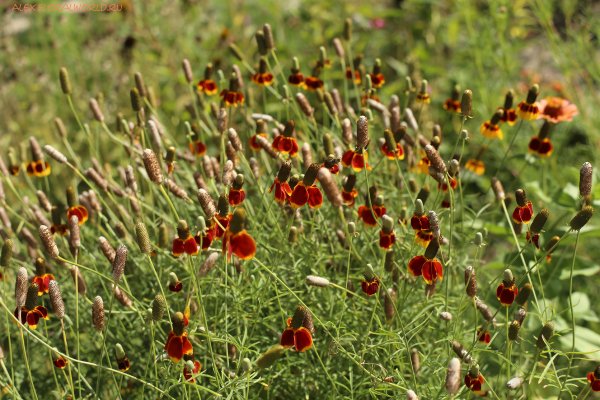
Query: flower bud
[513,330]
[136,100]
[471,282]
[293,236]
[389,299]
[65,82]
[466,103]
[581,218]
[539,221]
[464,134]
[56,299]
[351,227]
[304,105]
[348,29]
[410,395]
[96,110]
[423,194]
[545,334]
[98,313]
[269,358]
[390,257]
[410,119]
[414,358]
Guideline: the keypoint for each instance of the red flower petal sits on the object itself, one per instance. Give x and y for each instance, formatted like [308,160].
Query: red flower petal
[415,266]
[178,247]
[242,245]
[302,339]
[347,158]
[315,197]
[287,338]
[299,196]
[370,288]
[190,246]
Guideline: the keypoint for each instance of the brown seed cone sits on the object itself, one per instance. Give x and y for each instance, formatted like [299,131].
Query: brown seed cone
[207,204]
[40,217]
[284,171]
[117,191]
[524,294]
[152,166]
[130,178]
[268,35]
[264,143]
[36,150]
[304,105]
[436,159]
[331,107]
[414,359]
[350,288]
[432,249]
[208,264]
[453,376]
[32,296]
[581,218]
[65,82]
[546,333]
[347,135]
[120,230]
[81,286]
[311,174]
[48,241]
[518,228]
[513,330]
[390,298]
[234,138]
[91,174]
[43,200]
[362,132]
[56,299]
[55,154]
[521,197]
[339,49]
[498,189]
[98,314]
[200,182]
[96,110]
[484,310]
[139,83]
[231,154]
[520,315]
[177,190]
[539,221]
[21,285]
[585,179]
[466,103]
[222,120]
[208,167]
[470,282]
[337,100]
[187,71]
[75,236]
[7,248]
[307,157]
[307,322]
[142,238]
[119,263]
[331,189]
[107,249]
[458,349]
[122,296]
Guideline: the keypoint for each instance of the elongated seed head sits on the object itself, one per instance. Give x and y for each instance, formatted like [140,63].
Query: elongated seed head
[545,334]
[119,263]
[585,179]
[330,187]
[362,132]
[152,166]
[75,237]
[539,221]
[453,376]
[56,299]
[158,308]
[524,294]
[313,280]
[98,313]
[143,240]
[6,256]
[581,218]
[21,284]
[498,189]
[48,241]
[466,103]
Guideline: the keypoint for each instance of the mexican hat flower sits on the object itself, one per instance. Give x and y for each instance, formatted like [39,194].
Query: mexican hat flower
[387,237]
[369,96]
[75,209]
[312,83]
[122,360]
[475,164]
[427,265]
[236,240]
[260,131]
[491,129]
[283,191]
[349,194]
[41,277]
[507,290]
[370,285]
[58,360]
[391,149]
[369,215]
[184,243]
[556,109]
[233,97]
[14,166]
[296,335]
[306,191]
[474,380]
[223,217]
[207,85]
[377,78]
[175,284]
[205,235]
[420,223]
[191,368]
[38,167]
[422,95]
[452,104]
[357,159]
[594,379]
[237,194]
[509,114]
[524,210]
[196,146]
[422,166]
[356,64]
[263,77]
[541,144]
[533,235]
[444,185]
[286,143]
[296,79]
[484,337]
[178,344]
[528,109]
[31,312]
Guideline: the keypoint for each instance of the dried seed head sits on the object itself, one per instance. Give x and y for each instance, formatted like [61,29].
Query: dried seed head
[152,166]
[91,174]
[313,280]
[545,334]
[434,224]
[514,383]
[585,179]
[414,358]
[48,242]
[307,157]
[445,316]
[539,221]
[31,242]
[187,71]
[513,330]
[454,168]
[21,284]
[121,296]
[339,49]
[350,288]
[423,194]
[43,200]
[311,174]
[304,105]
[143,240]
[453,376]
[484,310]
[75,237]
[56,299]
[521,197]
[235,139]
[466,103]
[524,294]
[581,218]
[98,314]
[223,205]
[390,298]
[222,120]
[55,154]
[266,146]
[347,135]
[227,176]
[390,257]
[158,308]
[436,159]
[362,132]
[96,110]
[331,107]
[459,350]
[331,189]
[65,82]
[119,263]
[6,256]
[107,249]
[269,358]
[498,189]
[410,395]
[208,167]
[207,204]
[36,150]
[328,144]
[208,264]
[411,121]
[470,282]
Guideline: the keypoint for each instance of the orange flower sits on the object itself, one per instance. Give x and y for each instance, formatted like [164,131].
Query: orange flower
[392,155]
[236,240]
[423,166]
[430,269]
[371,96]
[57,225]
[506,292]
[452,104]
[189,375]
[198,148]
[535,239]
[208,87]
[386,240]
[265,79]
[32,317]
[39,168]
[356,160]
[556,109]
[370,286]
[543,147]
[236,197]
[41,277]
[231,98]
[349,197]
[204,239]
[296,79]
[222,226]
[253,144]
[444,186]
[312,84]
[185,243]
[484,337]
[419,222]
[490,129]
[178,344]
[475,166]
[282,191]
[364,213]
[528,110]
[474,383]
[508,116]
[303,194]
[357,76]
[423,98]
[58,361]
[285,145]
[594,379]
[377,80]
[524,210]
[80,212]
[296,335]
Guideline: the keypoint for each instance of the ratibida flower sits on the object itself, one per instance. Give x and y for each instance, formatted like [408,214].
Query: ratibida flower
[286,143]
[175,284]
[507,290]
[540,144]
[524,210]
[223,216]
[483,337]
[263,77]
[370,284]
[296,79]
[509,115]
[452,104]
[38,167]
[207,85]
[594,379]
[357,75]
[121,357]
[306,191]
[281,185]
[475,164]
[31,312]
[556,109]
[75,209]
[205,234]
[474,380]
[423,96]
[312,83]
[422,166]
[491,129]
[550,247]
[260,131]
[184,243]
[357,159]
[191,368]
[387,237]
[296,335]
[427,265]
[349,194]
[178,344]
[41,277]
[533,235]
[233,96]
[377,78]
[368,215]
[236,240]
[196,146]
[420,223]
[236,193]
[391,149]
[58,360]
[528,110]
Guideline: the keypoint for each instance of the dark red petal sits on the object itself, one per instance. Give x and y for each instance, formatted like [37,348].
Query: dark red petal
[302,339]
[242,245]
[415,266]
[287,338]
[315,197]
[299,196]
[347,158]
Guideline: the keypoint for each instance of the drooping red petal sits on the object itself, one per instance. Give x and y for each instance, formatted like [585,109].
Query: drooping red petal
[534,144]
[299,196]
[546,148]
[516,215]
[315,197]
[386,240]
[302,339]
[190,246]
[365,213]
[276,141]
[370,288]
[286,144]
[178,247]
[358,162]
[347,158]
[287,338]
[42,312]
[236,197]
[243,245]
[176,288]
[33,317]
